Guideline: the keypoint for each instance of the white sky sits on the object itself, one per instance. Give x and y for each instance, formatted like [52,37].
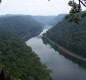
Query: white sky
[34,7]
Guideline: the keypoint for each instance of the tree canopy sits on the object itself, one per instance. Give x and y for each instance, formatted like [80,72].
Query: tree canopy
[75,13]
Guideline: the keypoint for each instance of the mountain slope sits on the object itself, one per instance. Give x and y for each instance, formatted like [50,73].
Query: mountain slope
[57,19]
[44,19]
[21,25]
[19,59]
[70,36]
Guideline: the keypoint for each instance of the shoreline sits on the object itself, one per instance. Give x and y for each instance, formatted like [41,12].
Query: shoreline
[65,50]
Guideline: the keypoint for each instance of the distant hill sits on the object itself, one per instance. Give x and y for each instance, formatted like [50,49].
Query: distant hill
[21,25]
[44,19]
[70,36]
[57,19]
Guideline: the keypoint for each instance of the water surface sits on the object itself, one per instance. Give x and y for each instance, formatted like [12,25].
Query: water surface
[62,67]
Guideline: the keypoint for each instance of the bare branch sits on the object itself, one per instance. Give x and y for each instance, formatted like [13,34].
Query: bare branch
[82,3]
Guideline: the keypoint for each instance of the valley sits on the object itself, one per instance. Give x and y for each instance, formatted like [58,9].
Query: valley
[57,61]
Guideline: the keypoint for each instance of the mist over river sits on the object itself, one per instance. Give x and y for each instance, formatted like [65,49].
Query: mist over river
[62,67]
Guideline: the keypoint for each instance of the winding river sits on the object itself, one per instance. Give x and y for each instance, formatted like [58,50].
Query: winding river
[63,68]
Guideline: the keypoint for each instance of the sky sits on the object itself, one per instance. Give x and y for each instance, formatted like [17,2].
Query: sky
[34,7]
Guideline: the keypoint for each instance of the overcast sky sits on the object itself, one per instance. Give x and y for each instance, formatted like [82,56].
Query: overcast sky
[34,7]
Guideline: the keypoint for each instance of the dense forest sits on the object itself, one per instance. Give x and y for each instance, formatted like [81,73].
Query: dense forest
[15,56]
[71,36]
[23,26]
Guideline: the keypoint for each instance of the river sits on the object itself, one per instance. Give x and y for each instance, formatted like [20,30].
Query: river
[62,67]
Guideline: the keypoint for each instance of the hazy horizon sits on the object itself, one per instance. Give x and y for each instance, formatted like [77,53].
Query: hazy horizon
[29,14]
[35,8]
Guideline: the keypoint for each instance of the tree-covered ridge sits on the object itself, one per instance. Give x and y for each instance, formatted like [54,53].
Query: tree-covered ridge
[57,19]
[23,26]
[20,60]
[70,35]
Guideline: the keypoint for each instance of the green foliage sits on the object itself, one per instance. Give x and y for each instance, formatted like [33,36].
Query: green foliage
[74,14]
[15,56]
[70,35]
[19,59]
[83,14]
[75,7]
[73,18]
[21,25]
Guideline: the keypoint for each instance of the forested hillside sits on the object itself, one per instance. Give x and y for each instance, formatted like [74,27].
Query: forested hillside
[15,57]
[57,19]
[19,59]
[71,36]
[23,26]
[44,19]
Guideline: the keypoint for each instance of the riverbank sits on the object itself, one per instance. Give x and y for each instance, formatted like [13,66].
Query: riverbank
[65,50]
[57,61]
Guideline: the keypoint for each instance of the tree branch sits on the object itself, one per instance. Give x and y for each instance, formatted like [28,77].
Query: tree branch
[82,3]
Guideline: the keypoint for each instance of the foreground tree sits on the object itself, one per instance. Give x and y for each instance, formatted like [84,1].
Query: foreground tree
[75,14]
[0,1]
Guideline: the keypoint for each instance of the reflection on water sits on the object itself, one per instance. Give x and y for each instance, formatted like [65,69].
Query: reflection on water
[77,61]
[63,67]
